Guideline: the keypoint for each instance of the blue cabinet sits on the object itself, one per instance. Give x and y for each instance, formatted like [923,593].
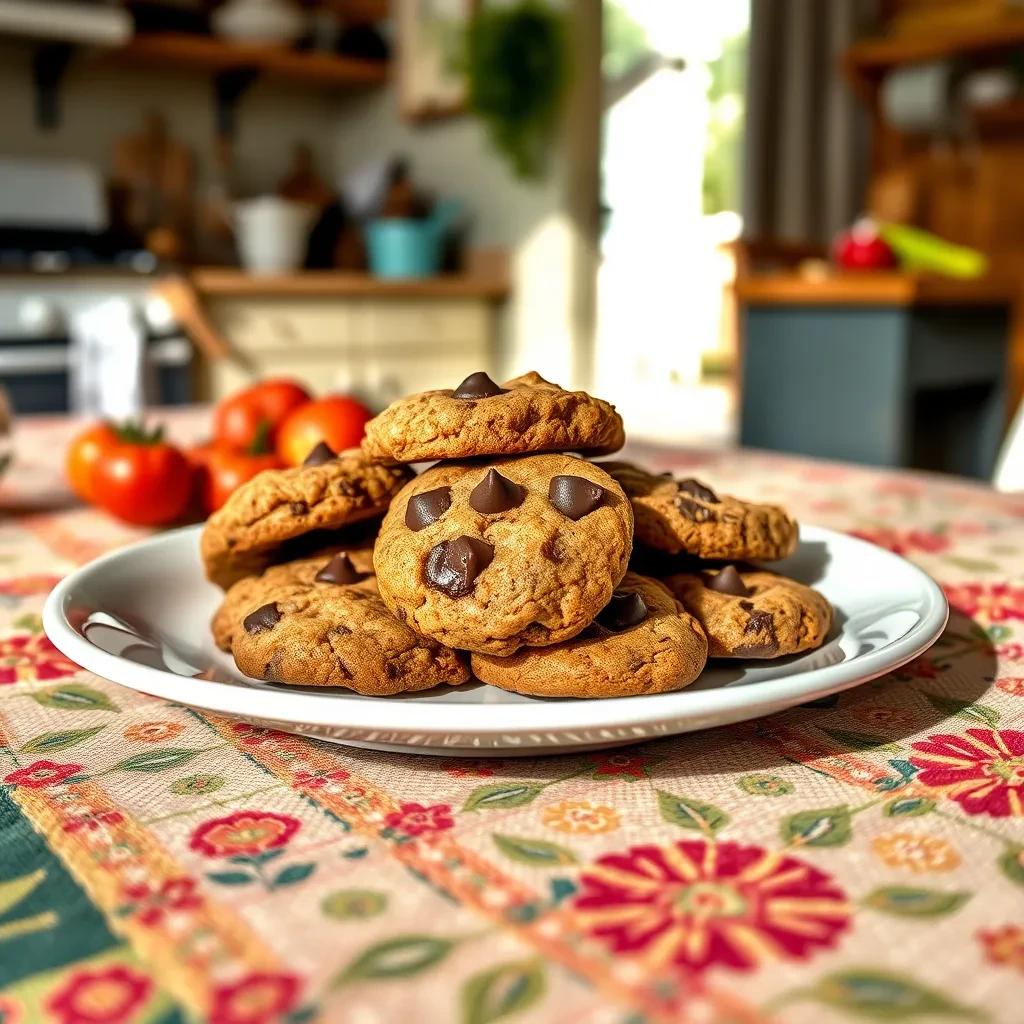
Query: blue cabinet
[889,385]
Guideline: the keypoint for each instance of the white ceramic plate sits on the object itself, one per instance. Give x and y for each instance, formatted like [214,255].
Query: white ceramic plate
[139,616]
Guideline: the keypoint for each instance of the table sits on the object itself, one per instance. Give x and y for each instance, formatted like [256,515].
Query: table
[858,858]
[891,369]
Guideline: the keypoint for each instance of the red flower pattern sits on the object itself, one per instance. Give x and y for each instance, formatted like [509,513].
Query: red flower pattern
[318,779]
[42,773]
[1004,945]
[92,820]
[633,765]
[28,586]
[695,905]
[243,833]
[113,995]
[149,905]
[416,820]
[982,771]
[27,657]
[905,542]
[256,999]
[1013,686]
[990,602]
[253,735]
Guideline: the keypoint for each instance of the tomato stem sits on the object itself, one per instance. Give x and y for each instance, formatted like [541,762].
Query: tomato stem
[135,432]
[260,439]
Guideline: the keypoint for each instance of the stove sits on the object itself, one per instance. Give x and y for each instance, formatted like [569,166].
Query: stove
[82,325]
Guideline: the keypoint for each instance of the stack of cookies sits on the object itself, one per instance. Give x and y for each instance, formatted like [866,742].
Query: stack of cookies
[506,560]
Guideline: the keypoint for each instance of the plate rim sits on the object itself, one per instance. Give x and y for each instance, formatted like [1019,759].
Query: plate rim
[342,709]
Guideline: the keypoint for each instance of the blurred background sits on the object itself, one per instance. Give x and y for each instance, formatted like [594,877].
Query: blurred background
[789,224]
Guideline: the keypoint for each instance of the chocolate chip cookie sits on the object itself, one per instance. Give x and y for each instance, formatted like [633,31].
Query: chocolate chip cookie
[494,556]
[352,566]
[264,515]
[688,516]
[325,634]
[753,614]
[526,414]
[643,641]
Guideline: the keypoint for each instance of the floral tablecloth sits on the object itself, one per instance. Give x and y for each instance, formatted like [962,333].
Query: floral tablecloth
[860,858]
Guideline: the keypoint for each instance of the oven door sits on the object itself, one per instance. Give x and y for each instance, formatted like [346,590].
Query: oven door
[35,373]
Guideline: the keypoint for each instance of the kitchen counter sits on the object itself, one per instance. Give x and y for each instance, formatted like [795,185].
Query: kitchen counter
[871,288]
[223,281]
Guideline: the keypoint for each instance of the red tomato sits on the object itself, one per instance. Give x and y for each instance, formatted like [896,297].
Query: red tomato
[84,452]
[249,420]
[337,420]
[141,479]
[220,470]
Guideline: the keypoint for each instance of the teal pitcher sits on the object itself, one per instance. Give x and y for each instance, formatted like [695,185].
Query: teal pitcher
[403,247]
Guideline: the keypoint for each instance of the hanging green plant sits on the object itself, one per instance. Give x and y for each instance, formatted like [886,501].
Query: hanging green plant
[517,74]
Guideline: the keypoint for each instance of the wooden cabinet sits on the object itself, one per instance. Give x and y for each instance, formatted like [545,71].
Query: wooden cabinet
[395,346]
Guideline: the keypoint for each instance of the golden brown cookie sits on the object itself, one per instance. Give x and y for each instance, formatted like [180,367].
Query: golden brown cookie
[344,636]
[493,556]
[280,505]
[526,414]
[351,566]
[643,641]
[685,515]
[753,614]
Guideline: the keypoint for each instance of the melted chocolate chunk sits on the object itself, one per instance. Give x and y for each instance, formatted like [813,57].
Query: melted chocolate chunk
[693,511]
[453,565]
[574,496]
[426,508]
[319,455]
[766,650]
[340,570]
[624,611]
[758,621]
[496,493]
[697,490]
[478,385]
[265,617]
[727,581]
[299,508]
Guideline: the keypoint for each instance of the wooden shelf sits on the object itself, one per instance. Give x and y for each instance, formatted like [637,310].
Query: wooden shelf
[217,282]
[869,59]
[206,53]
[892,288]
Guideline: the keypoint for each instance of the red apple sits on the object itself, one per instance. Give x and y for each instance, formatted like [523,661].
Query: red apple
[861,247]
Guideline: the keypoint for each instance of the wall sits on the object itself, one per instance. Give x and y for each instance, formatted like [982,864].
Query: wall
[100,104]
[544,327]
[453,157]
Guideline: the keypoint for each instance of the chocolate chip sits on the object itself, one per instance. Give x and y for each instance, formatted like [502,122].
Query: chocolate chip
[728,581]
[496,493]
[319,455]
[693,511]
[478,385]
[340,570]
[574,496]
[697,490]
[624,611]
[758,622]
[426,508]
[265,617]
[453,565]
[299,508]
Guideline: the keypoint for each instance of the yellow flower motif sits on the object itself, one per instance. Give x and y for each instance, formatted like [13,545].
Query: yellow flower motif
[580,816]
[919,853]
